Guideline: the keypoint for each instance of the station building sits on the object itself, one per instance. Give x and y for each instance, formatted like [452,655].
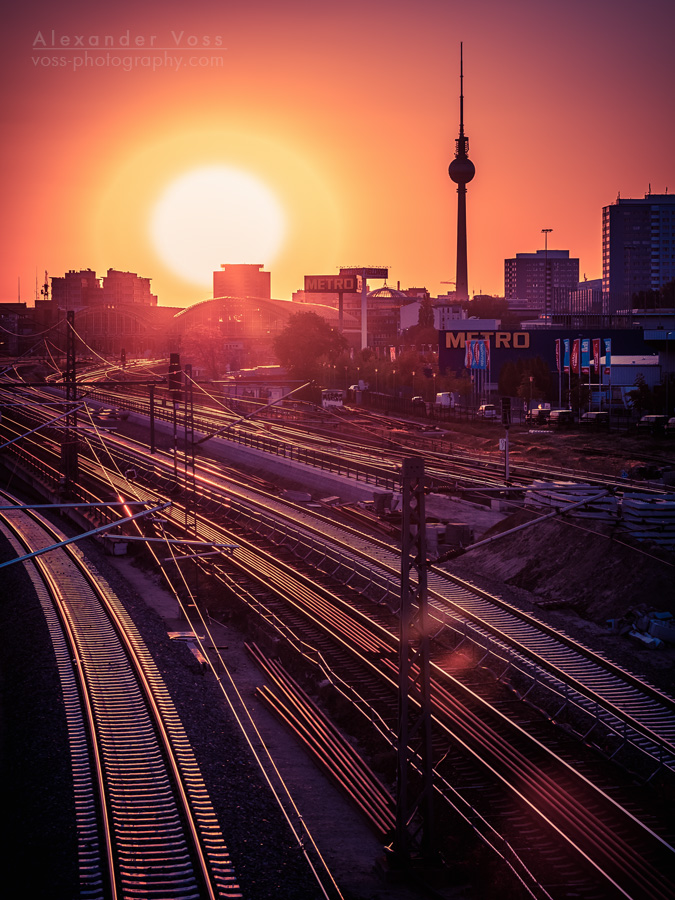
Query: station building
[113,313]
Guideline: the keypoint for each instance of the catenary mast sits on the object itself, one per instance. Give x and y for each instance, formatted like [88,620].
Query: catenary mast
[461,171]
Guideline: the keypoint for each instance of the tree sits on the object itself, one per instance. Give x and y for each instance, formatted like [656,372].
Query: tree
[641,395]
[483,306]
[514,379]
[579,393]
[426,315]
[509,379]
[306,342]
[663,298]
[203,346]
[424,334]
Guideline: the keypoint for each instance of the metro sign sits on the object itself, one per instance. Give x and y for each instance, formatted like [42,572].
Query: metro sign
[516,340]
[331,284]
[367,271]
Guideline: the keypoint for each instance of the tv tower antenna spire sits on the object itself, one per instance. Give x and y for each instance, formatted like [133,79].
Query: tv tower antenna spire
[461,171]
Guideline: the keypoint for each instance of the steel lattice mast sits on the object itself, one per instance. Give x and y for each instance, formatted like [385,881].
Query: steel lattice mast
[414,794]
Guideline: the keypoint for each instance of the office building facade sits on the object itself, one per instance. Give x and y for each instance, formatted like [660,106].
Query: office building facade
[544,278]
[242,280]
[638,247]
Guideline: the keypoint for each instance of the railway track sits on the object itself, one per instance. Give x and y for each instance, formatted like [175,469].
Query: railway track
[516,766]
[145,823]
[590,837]
[365,450]
[610,851]
[575,685]
[364,434]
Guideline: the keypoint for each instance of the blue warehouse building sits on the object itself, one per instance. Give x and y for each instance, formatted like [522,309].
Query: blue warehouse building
[511,346]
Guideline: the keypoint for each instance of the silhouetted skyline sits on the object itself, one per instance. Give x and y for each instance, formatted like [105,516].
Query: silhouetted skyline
[345,114]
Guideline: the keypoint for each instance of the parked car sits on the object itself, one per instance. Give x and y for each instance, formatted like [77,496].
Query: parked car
[561,418]
[652,424]
[670,427]
[596,419]
[645,472]
[419,405]
[487,411]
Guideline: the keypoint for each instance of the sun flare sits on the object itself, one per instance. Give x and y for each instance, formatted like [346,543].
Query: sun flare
[214,215]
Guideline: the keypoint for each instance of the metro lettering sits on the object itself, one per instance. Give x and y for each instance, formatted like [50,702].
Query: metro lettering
[454,339]
[504,340]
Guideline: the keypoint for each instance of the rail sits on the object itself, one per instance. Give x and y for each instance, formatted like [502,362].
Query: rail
[326,462]
[158,827]
[617,732]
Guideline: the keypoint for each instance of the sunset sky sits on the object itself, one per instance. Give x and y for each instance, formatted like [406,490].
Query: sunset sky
[307,135]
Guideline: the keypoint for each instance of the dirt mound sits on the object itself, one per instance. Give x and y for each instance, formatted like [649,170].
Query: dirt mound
[577,564]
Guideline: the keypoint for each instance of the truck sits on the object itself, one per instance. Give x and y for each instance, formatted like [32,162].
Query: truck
[445,399]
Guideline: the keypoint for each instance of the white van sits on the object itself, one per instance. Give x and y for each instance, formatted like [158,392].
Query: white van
[487,411]
[445,399]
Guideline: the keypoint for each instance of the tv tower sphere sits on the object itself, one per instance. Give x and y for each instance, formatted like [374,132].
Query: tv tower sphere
[461,170]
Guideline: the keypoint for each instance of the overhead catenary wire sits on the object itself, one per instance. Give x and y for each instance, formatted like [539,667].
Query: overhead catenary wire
[247,713]
[336,893]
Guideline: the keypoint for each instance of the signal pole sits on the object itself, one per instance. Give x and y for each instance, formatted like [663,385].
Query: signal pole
[414,801]
[69,464]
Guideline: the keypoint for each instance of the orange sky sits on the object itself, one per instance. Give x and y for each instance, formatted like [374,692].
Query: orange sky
[348,114]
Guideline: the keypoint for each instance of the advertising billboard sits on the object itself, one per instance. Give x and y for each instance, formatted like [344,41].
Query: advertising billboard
[331,284]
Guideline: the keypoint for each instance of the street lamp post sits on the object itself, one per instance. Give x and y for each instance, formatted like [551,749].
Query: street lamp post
[546,232]
[668,334]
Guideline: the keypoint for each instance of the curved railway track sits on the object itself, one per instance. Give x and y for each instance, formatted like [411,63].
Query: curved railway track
[588,825]
[588,831]
[607,847]
[578,678]
[363,436]
[145,823]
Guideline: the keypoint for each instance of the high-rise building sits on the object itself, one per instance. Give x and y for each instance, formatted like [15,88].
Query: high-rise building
[587,300]
[121,288]
[242,280]
[638,247]
[541,276]
[76,290]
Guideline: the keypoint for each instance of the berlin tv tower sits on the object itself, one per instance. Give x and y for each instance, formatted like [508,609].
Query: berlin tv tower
[461,170]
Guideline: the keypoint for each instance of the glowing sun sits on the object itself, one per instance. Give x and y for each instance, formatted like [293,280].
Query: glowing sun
[214,215]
